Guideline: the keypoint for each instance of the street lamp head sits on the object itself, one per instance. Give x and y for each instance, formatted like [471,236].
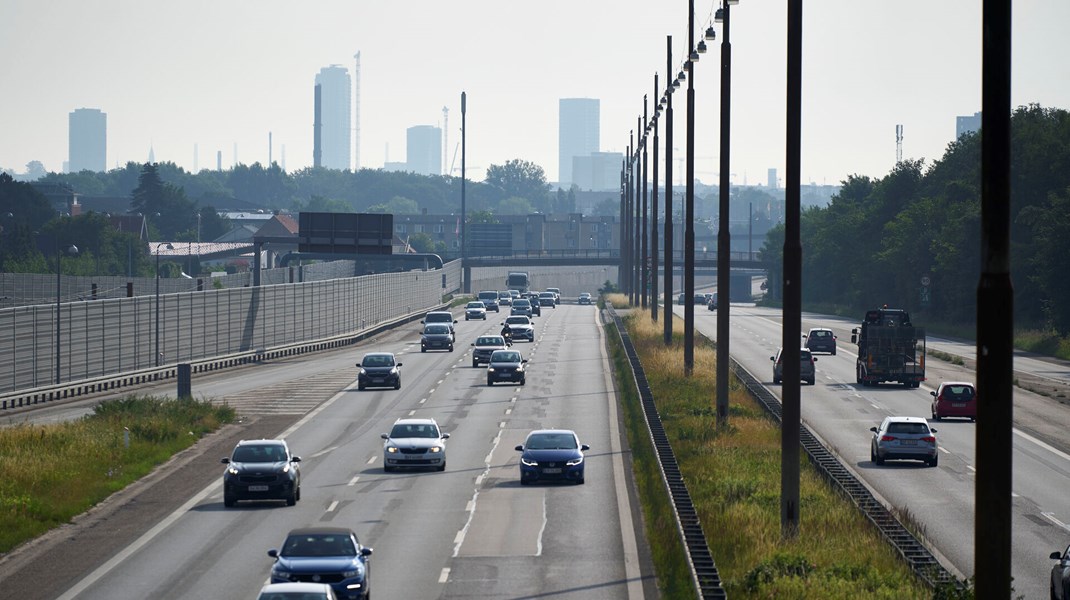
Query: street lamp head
[694,56]
[702,46]
[718,17]
[733,2]
[73,250]
[711,33]
[676,82]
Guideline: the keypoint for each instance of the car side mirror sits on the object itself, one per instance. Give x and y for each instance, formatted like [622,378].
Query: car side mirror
[385,436]
[524,361]
[365,552]
[295,459]
[584,447]
[225,461]
[873,429]
[519,448]
[357,364]
[473,345]
[804,335]
[455,320]
[421,322]
[398,365]
[933,430]
[445,436]
[933,394]
[772,358]
[273,553]
[1056,556]
[813,358]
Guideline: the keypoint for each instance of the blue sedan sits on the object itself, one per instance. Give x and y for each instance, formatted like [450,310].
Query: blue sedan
[330,555]
[551,455]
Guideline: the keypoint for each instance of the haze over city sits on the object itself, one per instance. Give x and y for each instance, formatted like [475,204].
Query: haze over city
[222,75]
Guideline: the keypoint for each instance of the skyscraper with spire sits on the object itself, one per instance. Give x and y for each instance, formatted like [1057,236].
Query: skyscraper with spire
[334,122]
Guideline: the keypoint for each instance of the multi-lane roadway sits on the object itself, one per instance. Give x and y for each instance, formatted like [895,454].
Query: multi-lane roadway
[471,531]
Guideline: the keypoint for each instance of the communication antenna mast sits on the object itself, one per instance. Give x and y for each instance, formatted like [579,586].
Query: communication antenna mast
[898,144]
[445,136]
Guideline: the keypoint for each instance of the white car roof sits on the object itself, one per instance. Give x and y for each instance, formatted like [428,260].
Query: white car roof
[300,587]
[906,420]
[416,421]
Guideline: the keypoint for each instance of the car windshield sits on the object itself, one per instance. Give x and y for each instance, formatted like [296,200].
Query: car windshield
[820,333]
[491,340]
[958,392]
[414,430]
[439,318]
[378,360]
[522,303]
[259,453]
[436,329]
[504,295]
[319,544]
[552,441]
[910,428]
[546,295]
[505,357]
[475,305]
[517,321]
[488,295]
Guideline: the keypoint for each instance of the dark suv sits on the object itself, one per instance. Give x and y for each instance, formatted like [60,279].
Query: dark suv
[485,345]
[261,470]
[806,366]
[378,369]
[489,298]
[821,340]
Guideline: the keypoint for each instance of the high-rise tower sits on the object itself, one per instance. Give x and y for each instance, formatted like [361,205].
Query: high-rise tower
[577,134]
[334,118]
[356,111]
[87,140]
[423,149]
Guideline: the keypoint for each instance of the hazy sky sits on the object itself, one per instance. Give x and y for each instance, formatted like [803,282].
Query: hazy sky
[216,73]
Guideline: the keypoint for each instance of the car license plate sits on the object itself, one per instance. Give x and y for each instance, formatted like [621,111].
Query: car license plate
[378,380]
[551,471]
[958,404]
[258,488]
[909,442]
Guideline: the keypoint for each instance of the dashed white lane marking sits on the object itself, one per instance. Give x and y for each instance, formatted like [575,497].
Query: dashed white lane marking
[501,425]
[457,539]
[538,547]
[412,412]
[324,451]
[432,390]
[444,577]
[353,481]
[423,400]
[974,469]
[944,450]
[1051,517]
[439,382]
[371,460]
[333,506]
[508,411]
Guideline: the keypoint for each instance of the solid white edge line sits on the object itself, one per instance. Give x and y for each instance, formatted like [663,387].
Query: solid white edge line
[178,513]
[1051,517]
[542,530]
[1043,445]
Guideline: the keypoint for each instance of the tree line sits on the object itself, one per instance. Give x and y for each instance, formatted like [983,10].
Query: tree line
[911,239]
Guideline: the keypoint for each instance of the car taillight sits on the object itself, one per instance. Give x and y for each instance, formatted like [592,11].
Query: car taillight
[887,438]
[929,438]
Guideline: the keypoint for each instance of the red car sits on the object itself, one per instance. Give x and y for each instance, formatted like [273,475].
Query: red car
[955,399]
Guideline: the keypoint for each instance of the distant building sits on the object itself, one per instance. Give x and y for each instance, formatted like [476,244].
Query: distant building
[597,171]
[577,134]
[967,124]
[87,140]
[335,143]
[423,150]
[771,179]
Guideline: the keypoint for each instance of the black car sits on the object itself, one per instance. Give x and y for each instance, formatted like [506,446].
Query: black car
[485,345]
[261,470]
[821,340]
[1060,575]
[331,555]
[379,369]
[506,365]
[436,336]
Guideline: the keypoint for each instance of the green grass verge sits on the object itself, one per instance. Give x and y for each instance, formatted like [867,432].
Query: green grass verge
[733,476]
[53,472]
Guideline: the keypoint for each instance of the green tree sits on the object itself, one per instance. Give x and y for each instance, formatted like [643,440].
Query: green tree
[482,216]
[422,242]
[521,179]
[515,206]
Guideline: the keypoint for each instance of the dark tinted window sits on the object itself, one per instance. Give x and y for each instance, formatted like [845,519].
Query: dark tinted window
[551,441]
[501,356]
[377,361]
[958,392]
[319,545]
[259,453]
[410,430]
[910,428]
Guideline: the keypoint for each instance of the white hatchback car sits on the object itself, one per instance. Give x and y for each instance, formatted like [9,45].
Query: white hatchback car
[414,443]
[304,590]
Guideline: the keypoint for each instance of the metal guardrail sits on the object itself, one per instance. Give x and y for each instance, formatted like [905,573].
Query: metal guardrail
[704,572]
[913,551]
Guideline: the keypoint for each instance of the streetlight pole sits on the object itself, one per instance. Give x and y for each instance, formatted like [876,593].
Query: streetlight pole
[654,214]
[169,247]
[724,240]
[631,219]
[465,271]
[669,273]
[644,288]
[73,250]
[638,225]
[622,235]
[689,206]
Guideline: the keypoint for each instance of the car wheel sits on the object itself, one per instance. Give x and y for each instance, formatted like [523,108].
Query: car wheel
[397,386]
[442,467]
[810,381]
[872,455]
[524,481]
[298,497]
[523,381]
[422,349]
[579,481]
[292,498]
[228,500]
[834,352]
[360,386]
[388,469]
[936,416]
[451,347]
[475,364]
[877,459]
[776,380]
[933,461]
[490,383]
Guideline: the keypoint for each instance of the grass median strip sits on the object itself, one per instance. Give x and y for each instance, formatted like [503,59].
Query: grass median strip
[733,476]
[54,472]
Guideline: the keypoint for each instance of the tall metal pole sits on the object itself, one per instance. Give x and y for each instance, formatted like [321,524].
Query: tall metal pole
[157,305]
[654,215]
[995,315]
[630,216]
[789,430]
[644,277]
[637,265]
[724,243]
[623,230]
[466,271]
[689,206]
[669,277]
[59,268]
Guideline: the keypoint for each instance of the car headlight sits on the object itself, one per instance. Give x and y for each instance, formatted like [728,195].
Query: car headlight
[527,462]
[362,371]
[574,461]
[232,470]
[391,449]
[434,449]
[490,369]
[394,371]
[356,571]
[280,571]
[286,468]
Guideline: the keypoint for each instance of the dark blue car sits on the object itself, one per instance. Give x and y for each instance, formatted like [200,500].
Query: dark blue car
[551,455]
[330,555]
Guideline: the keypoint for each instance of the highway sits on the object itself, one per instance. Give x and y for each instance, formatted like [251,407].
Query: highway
[940,500]
[471,531]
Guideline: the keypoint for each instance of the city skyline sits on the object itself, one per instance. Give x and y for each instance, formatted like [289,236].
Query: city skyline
[867,68]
